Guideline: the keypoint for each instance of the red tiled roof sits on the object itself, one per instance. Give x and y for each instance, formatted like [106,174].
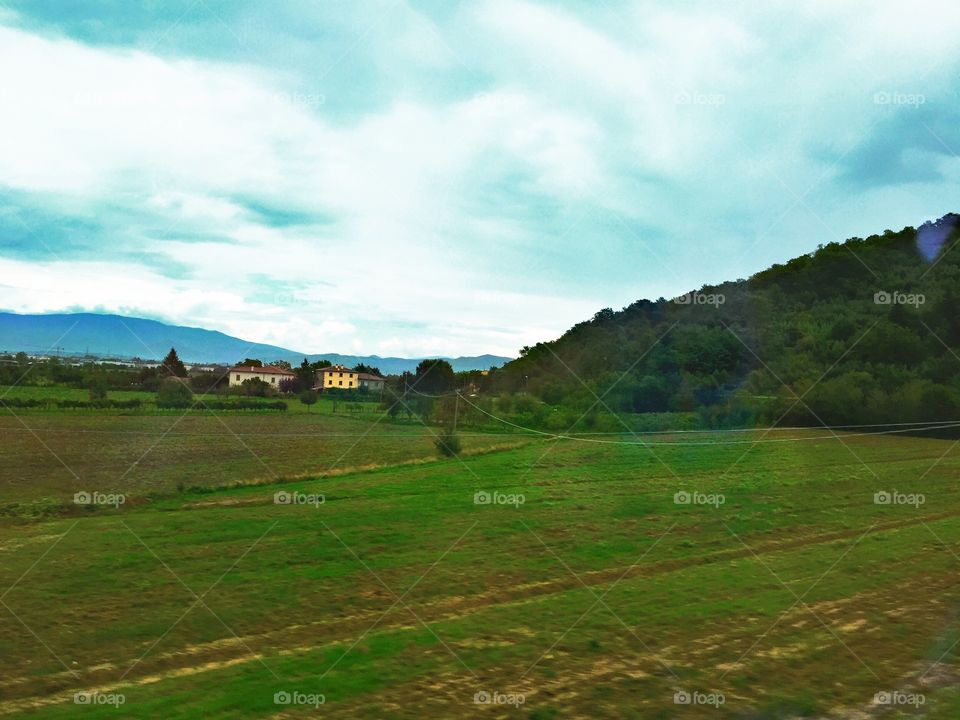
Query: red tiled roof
[265,370]
[368,376]
[336,368]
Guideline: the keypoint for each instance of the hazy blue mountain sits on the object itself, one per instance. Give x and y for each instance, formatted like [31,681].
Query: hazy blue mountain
[136,337]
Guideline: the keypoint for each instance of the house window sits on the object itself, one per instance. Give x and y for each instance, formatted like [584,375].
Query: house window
[273,379]
[341,382]
[238,377]
[341,375]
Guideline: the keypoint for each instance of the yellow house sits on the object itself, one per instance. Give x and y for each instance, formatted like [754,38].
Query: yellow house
[268,373]
[338,377]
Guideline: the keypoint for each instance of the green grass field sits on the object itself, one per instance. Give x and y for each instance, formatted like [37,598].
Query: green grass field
[596,596]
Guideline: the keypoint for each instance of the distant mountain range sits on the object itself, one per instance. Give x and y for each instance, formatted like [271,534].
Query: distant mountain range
[127,337]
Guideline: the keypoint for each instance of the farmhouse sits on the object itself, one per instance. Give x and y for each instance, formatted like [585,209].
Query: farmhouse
[339,377]
[373,383]
[268,373]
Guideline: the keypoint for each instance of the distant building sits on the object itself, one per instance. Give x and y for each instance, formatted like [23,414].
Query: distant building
[268,373]
[373,383]
[337,377]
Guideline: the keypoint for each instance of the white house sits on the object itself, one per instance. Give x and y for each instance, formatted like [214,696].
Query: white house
[268,373]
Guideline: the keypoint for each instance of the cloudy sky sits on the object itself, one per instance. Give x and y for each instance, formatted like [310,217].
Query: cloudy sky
[435,177]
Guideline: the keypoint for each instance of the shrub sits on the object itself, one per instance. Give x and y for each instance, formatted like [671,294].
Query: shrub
[447,443]
[174,394]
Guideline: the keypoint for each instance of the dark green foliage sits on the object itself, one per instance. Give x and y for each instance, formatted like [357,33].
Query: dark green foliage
[308,398]
[174,394]
[447,443]
[97,385]
[810,329]
[434,376]
[255,387]
[172,365]
[361,368]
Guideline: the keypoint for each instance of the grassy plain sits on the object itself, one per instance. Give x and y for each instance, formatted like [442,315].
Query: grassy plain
[598,596]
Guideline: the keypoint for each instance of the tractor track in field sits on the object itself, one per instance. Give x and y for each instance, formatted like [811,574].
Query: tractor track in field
[230,651]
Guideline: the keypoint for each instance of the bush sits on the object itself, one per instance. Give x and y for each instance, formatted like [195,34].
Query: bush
[447,443]
[174,394]
[97,385]
[255,387]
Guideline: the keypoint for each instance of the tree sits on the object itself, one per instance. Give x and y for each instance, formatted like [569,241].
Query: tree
[282,364]
[289,385]
[255,387]
[251,362]
[447,443]
[174,394]
[434,376]
[370,369]
[172,365]
[308,398]
[306,375]
[97,385]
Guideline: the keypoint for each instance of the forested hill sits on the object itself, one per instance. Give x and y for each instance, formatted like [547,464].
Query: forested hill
[863,331]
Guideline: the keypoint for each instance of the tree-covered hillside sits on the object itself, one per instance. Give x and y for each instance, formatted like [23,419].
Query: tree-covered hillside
[863,331]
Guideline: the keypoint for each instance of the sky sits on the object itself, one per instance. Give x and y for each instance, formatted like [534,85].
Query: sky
[445,178]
